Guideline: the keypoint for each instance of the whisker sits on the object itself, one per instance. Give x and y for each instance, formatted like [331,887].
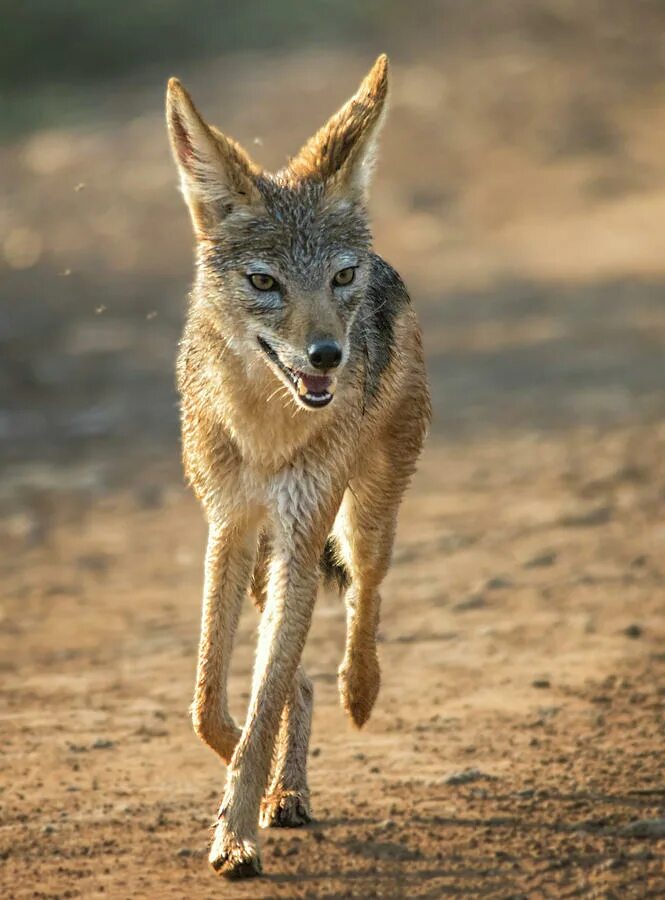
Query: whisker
[279,389]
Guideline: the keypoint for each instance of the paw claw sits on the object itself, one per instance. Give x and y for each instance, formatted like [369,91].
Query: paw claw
[233,858]
[285,809]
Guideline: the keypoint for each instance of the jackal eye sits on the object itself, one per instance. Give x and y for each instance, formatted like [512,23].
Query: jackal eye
[262,282]
[344,277]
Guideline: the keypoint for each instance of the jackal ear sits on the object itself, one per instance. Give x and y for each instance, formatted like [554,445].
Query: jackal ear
[216,174]
[343,152]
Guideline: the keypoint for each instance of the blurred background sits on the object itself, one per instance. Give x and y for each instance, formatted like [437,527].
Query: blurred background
[521,189]
[521,195]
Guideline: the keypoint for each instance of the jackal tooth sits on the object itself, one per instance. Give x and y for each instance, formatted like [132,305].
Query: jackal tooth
[302,388]
[332,387]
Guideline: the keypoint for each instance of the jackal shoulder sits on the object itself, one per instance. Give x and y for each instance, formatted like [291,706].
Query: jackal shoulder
[386,300]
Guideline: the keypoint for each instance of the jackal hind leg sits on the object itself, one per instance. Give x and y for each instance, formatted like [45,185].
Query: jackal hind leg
[364,532]
[286,803]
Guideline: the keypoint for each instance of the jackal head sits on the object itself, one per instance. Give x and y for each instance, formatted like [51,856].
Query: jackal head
[283,258]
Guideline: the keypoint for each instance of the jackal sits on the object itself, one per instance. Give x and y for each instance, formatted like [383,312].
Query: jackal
[304,408]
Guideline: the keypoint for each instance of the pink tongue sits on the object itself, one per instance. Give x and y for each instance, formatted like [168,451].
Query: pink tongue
[315,384]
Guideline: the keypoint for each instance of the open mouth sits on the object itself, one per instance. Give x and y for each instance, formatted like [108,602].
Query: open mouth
[313,391]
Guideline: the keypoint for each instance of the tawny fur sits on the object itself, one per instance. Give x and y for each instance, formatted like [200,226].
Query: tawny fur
[279,482]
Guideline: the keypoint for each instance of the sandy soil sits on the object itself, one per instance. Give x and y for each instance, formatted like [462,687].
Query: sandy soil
[518,736]
[517,746]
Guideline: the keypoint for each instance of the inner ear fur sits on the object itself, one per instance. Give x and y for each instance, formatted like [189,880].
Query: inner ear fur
[216,174]
[343,152]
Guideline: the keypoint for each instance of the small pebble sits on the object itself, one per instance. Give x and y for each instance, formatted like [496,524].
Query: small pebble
[598,515]
[540,560]
[498,583]
[633,631]
[647,828]
[467,776]
[475,601]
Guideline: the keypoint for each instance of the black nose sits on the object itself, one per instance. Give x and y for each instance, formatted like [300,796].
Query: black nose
[325,354]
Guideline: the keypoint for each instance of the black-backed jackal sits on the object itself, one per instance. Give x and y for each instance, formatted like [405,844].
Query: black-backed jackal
[304,408]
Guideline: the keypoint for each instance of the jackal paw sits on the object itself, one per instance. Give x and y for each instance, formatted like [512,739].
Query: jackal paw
[233,858]
[285,809]
[359,679]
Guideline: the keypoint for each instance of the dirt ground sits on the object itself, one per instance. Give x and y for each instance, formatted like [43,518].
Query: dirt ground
[519,733]
[516,750]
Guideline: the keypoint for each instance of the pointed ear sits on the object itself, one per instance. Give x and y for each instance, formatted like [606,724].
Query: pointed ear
[216,174]
[343,152]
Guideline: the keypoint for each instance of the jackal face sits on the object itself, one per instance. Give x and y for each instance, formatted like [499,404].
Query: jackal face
[283,258]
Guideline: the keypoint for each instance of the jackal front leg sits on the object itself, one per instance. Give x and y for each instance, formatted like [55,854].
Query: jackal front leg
[359,675]
[228,563]
[300,532]
[364,532]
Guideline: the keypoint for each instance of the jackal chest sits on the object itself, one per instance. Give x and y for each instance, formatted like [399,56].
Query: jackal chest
[243,491]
